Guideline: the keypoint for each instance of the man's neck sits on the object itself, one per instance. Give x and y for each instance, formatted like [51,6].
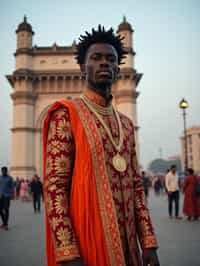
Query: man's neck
[97,97]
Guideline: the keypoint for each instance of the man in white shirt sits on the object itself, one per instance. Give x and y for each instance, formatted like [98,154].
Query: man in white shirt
[172,186]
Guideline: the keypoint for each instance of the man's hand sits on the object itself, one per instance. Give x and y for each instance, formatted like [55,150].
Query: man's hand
[75,262]
[149,257]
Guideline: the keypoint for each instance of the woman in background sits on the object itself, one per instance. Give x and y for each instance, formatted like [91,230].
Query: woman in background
[190,205]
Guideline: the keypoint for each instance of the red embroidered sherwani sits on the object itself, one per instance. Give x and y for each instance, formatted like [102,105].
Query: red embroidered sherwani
[132,215]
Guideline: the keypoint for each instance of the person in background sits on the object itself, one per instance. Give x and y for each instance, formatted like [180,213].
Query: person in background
[17,187]
[190,205]
[172,186]
[146,183]
[157,186]
[37,193]
[6,193]
[28,194]
[23,187]
[197,214]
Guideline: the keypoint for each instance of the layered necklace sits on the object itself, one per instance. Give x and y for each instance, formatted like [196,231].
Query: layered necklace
[118,161]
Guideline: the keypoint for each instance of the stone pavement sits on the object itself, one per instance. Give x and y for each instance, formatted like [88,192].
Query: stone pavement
[23,244]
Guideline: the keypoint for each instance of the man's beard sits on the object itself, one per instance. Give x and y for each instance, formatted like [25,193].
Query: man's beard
[102,87]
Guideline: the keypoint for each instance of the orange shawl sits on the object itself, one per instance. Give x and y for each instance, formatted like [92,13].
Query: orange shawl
[91,205]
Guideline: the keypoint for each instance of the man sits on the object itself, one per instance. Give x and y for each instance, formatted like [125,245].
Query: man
[37,193]
[6,193]
[94,195]
[172,187]
[146,183]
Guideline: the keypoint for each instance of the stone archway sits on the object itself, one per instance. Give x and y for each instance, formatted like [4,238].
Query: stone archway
[39,141]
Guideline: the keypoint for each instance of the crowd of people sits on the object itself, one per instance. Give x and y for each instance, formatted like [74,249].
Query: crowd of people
[26,190]
[171,185]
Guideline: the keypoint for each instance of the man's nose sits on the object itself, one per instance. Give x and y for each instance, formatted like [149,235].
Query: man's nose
[104,59]
[104,62]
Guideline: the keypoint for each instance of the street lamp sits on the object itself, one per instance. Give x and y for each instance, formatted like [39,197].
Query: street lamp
[184,105]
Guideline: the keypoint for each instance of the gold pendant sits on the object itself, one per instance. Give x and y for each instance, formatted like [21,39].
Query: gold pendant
[119,163]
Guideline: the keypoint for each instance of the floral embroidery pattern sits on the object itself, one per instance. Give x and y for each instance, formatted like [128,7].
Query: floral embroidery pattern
[127,188]
[59,171]
[60,204]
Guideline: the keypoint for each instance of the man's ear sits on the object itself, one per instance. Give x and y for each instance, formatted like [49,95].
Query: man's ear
[117,73]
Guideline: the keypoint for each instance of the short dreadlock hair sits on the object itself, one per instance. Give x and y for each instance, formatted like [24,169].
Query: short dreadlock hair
[99,36]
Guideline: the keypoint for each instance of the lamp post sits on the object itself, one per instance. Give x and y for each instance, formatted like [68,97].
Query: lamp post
[184,105]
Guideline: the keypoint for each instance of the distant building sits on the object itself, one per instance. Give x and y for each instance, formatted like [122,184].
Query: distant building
[193,148]
[46,74]
[160,166]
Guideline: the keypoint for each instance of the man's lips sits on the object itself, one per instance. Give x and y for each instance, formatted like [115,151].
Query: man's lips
[104,73]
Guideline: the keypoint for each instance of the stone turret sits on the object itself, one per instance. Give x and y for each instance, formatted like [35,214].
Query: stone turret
[24,35]
[125,30]
[125,92]
[24,46]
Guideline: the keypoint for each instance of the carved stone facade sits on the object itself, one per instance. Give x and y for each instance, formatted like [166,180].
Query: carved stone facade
[193,149]
[46,74]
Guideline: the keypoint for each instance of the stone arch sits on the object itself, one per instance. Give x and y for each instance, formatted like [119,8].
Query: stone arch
[40,119]
[38,141]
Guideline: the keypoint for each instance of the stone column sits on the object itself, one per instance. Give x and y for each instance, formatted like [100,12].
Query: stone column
[23,130]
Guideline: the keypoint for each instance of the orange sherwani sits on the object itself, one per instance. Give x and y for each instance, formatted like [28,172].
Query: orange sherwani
[93,211]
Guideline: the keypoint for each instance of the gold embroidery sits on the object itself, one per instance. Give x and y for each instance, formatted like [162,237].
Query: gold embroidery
[62,164]
[60,113]
[49,165]
[51,188]
[67,253]
[56,146]
[62,237]
[52,130]
[63,127]
[49,204]
[60,204]
[55,222]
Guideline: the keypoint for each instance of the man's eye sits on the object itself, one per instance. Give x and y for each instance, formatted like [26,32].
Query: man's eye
[112,59]
[96,57]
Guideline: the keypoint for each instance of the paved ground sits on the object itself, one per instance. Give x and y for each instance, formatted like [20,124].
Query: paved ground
[23,244]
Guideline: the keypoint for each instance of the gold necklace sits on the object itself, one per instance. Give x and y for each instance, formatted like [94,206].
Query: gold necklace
[118,161]
[100,109]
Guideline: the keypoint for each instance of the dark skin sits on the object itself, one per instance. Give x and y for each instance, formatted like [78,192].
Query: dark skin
[101,70]
[4,171]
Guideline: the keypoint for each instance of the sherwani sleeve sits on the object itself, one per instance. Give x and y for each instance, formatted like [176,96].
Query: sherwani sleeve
[144,226]
[59,169]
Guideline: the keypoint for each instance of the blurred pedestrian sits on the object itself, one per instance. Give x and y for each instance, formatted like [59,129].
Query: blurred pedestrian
[157,186]
[37,193]
[197,193]
[17,187]
[172,186]
[6,193]
[146,183]
[190,207]
[23,187]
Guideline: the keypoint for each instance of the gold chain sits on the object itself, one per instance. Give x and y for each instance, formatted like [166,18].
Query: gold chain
[100,109]
[121,135]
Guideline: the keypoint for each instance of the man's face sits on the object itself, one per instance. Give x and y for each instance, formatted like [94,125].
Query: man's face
[101,65]
[173,170]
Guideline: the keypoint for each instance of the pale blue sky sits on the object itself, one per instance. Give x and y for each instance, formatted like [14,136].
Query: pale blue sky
[166,40]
